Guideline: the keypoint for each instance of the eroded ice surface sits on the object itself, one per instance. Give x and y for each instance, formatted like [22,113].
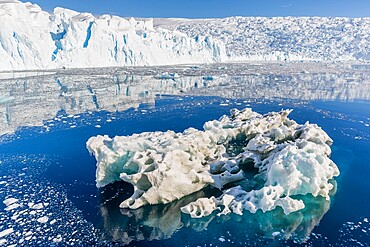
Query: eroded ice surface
[289,159]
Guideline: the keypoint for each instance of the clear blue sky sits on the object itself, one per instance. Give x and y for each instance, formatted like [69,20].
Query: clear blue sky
[214,8]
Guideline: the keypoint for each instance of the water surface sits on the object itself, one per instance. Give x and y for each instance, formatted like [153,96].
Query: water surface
[46,121]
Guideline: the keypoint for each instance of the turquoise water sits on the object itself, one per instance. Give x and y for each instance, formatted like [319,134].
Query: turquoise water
[48,165]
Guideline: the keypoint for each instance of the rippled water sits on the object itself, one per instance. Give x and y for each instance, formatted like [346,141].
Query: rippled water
[47,178]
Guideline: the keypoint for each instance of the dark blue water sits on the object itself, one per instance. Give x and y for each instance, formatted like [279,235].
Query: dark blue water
[54,168]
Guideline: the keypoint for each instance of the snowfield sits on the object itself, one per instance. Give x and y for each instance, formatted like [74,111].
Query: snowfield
[31,38]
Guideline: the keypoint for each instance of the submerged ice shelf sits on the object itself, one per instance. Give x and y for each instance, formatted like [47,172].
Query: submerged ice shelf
[257,161]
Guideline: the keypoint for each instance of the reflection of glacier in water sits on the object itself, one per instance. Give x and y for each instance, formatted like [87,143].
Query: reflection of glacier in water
[57,199]
[31,100]
[297,87]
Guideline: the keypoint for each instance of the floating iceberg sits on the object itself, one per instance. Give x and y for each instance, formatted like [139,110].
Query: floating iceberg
[167,76]
[285,159]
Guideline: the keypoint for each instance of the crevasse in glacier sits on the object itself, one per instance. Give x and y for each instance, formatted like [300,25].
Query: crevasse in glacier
[286,159]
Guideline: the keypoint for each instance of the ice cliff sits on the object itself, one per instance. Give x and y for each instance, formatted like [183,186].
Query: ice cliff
[275,158]
[34,39]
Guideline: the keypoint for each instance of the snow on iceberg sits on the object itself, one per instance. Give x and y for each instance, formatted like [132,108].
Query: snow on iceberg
[288,159]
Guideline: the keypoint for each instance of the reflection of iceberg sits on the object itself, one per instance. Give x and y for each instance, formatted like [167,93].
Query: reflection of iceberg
[146,223]
[290,160]
[162,221]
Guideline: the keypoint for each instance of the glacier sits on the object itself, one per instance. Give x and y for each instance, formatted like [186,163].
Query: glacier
[34,39]
[286,160]
[284,38]
[31,38]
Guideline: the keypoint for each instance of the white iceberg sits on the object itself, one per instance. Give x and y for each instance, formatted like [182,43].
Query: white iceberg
[290,159]
[167,76]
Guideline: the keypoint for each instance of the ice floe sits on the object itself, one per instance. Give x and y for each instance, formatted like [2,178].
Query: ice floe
[6,232]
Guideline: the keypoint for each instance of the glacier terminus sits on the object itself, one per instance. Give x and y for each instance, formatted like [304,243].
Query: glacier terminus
[31,38]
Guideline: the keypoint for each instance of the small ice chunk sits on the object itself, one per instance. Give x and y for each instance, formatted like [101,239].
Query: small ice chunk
[37,206]
[14,217]
[274,234]
[58,239]
[10,201]
[12,206]
[221,239]
[6,232]
[43,220]
[167,76]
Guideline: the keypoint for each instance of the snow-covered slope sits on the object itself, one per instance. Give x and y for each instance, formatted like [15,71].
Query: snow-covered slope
[31,38]
[34,39]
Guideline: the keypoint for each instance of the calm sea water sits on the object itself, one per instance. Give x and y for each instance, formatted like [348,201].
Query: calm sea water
[47,172]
